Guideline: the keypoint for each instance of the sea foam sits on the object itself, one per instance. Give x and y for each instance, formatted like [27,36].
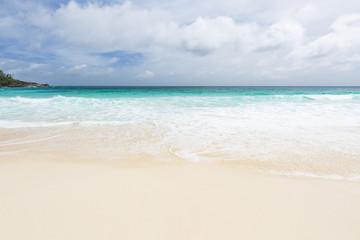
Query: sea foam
[303,130]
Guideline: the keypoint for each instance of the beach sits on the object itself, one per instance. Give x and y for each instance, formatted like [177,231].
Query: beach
[179,163]
[179,120]
[72,200]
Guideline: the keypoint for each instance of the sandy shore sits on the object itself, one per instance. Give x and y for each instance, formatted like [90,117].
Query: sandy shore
[54,200]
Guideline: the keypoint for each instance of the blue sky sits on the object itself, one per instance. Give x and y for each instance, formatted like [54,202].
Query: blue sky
[233,42]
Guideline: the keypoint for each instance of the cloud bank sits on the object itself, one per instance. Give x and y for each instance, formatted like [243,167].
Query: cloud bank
[181,43]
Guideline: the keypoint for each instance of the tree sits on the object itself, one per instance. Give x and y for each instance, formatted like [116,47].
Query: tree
[5,78]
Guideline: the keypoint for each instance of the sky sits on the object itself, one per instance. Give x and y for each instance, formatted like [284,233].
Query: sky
[182,42]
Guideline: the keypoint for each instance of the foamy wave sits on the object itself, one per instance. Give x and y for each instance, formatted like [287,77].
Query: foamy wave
[29,100]
[191,101]
[58,98]
[330,97]
[22,124]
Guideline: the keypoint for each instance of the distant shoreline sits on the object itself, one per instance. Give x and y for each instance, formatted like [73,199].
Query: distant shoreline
[204,86]
[20,84]
[7,80]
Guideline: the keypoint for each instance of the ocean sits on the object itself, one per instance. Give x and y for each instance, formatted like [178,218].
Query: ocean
[293,131]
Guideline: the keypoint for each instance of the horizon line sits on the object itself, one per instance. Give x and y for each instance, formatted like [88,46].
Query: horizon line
[204,86]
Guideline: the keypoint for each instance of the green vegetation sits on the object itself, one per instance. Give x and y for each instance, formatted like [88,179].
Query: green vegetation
[5,79]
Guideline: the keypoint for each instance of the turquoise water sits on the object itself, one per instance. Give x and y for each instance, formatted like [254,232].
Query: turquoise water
[287,130]
[115,92]
[77,104]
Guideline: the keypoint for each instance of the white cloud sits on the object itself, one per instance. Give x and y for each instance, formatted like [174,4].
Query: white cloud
[113,60]
[7,26]
[127,27]
[307,12]
[111,27]
[79,67]
[35,65]
[208,35]
[235,40]
[282,34]
[340,46]
[146,74]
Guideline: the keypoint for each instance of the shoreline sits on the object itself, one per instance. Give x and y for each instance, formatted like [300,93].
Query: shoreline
[177,200]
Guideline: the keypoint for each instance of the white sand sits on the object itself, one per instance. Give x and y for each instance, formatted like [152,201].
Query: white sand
[54,200]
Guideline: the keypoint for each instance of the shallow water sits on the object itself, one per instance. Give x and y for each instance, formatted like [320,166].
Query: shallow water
[283,130]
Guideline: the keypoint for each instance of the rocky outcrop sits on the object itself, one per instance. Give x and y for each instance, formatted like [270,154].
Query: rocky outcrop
[17,83]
